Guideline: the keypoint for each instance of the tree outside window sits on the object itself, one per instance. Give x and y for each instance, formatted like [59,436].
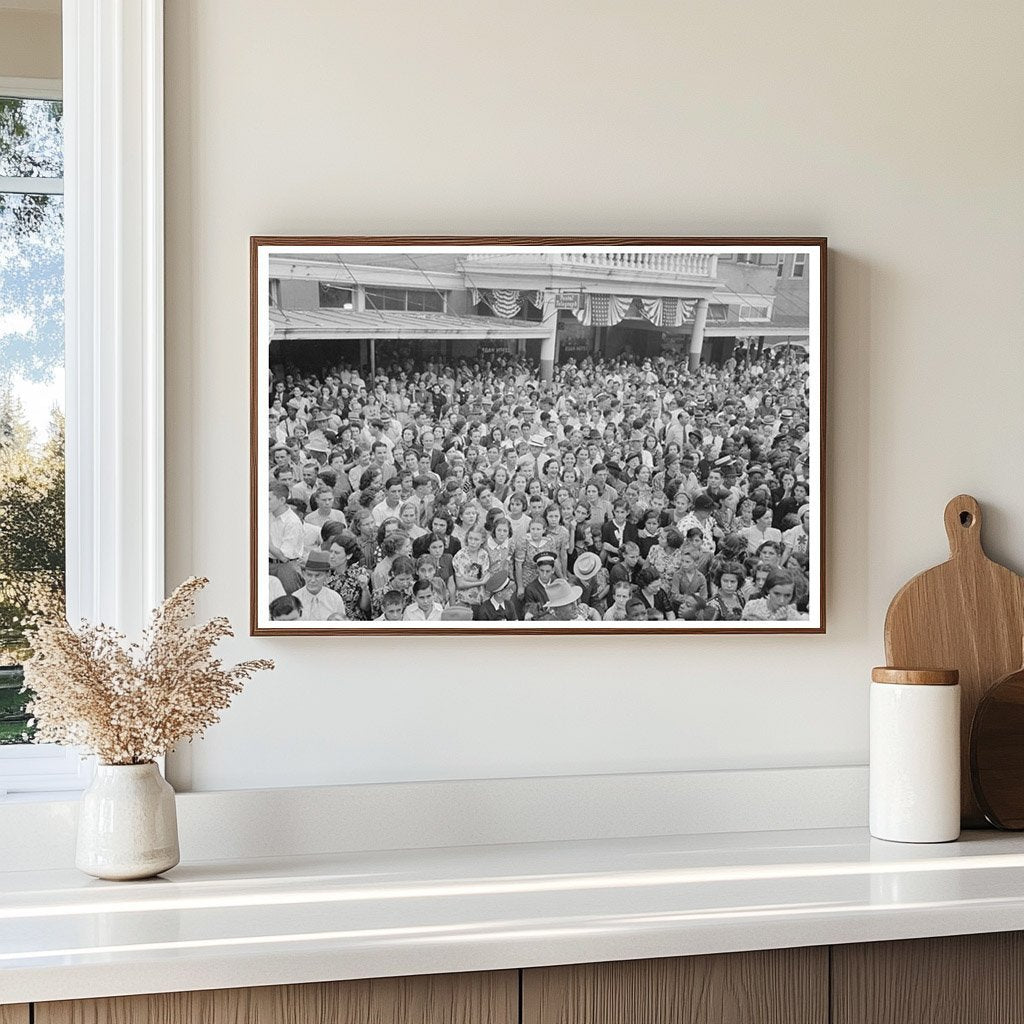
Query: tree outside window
[32,533]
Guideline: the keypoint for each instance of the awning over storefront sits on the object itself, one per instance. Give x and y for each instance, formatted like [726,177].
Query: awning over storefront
[734,330]
[331,324]
[794,340]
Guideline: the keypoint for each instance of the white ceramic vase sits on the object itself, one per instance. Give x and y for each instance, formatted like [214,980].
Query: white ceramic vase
[127,825]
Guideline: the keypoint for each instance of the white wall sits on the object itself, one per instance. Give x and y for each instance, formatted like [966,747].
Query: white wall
[894,129]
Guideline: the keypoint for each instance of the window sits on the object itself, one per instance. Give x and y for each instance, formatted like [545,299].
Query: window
[419,300]
[718,311]
[781,266]
[114,313]
[425,302]
[32,552]
[755,311]
[334,297]
[799,265]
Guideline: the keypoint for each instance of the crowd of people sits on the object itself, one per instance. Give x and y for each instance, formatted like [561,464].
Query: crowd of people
[625,489]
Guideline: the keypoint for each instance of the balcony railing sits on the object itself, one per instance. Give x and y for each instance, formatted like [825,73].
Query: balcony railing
[681,264]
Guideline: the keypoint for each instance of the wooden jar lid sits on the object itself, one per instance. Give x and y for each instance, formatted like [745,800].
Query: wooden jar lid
[916,676]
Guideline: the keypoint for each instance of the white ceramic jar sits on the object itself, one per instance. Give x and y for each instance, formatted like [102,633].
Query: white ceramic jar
[127,823]
[915,755]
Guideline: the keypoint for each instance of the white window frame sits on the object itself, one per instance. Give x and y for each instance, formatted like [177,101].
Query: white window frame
[799,260]
[407,289]
[113,168]
[31,89]
[764,304]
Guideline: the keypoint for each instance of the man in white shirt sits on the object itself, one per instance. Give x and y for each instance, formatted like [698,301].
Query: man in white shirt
[361,464]
[319,603]
[424,608]
[377,432]
[274,429]
[285,535]
[391,505]
[304,488]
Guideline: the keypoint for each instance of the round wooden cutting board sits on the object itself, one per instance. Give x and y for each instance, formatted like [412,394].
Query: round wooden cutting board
[967,614]
[997,752]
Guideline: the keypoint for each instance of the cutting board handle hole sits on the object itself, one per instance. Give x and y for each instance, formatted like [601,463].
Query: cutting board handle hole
[966,519]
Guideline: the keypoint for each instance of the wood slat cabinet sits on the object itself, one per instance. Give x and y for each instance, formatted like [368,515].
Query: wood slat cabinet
[480,998]
[777,986]
[961,979]
[967,979]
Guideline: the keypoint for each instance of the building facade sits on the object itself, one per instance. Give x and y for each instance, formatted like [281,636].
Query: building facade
[550,306]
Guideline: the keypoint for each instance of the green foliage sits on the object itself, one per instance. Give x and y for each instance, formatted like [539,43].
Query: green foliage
[14,719]
[31,526]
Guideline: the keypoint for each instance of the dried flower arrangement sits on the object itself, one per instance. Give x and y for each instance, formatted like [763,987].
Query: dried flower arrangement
[130,703]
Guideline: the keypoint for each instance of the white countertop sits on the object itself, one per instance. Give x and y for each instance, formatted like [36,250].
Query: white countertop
[226,924]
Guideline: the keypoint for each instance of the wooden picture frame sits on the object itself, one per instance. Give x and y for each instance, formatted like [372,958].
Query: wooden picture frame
[712,317]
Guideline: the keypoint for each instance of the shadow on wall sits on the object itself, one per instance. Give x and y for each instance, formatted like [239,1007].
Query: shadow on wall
[849,421]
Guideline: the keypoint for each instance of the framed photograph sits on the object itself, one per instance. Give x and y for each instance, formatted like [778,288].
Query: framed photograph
[537,435]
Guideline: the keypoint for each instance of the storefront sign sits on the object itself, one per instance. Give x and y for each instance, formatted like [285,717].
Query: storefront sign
[569,300]
[574,347]
[486,349]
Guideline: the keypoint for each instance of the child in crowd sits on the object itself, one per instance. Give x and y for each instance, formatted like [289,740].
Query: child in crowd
[525,557]
[689,579]
[500,546]
[519,522]
[426,569]
[401,577]
[621,592]
[443,561]
[472,566]
[424,607]
[692,608]
[755,580]
[776,600]
[393,603]
[728,602]
[286,609]
[694,538]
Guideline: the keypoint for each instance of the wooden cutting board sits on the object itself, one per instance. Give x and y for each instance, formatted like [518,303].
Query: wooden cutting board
[967,614]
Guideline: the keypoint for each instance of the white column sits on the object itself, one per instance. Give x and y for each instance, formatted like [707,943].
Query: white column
[700,316]
[113,118]
[547,345]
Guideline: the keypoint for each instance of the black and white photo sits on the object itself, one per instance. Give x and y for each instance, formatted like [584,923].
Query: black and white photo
[517,435]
